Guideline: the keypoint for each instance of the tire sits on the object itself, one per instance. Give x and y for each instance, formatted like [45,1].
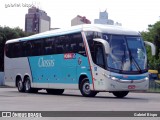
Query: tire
[55,91]
[20,85]
[120,94]
[27,86]
[85,88]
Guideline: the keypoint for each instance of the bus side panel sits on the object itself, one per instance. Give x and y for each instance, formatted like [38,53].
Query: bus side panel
[83,68]
[59,71]
[100,78]
[14,67]
[44,70]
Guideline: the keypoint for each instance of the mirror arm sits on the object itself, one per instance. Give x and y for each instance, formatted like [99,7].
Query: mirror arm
[153,48]
[105,43]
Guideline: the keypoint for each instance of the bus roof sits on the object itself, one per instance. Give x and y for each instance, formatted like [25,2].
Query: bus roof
[110,29]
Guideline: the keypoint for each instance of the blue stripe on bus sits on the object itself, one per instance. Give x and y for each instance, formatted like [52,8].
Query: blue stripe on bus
[56,69]
[130,77]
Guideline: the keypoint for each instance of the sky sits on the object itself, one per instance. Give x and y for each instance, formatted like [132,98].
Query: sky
[133,14]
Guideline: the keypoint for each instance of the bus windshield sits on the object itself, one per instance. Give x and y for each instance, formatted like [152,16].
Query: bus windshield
[127,54]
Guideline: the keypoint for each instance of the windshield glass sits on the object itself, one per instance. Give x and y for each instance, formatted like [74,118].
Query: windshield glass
[127,53]
[137,50]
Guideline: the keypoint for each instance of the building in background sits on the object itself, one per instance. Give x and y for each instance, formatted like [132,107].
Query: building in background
[80,20]
[118,24]
[103,19]
[37,21]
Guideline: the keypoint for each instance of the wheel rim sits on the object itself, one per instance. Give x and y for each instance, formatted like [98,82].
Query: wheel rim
[86,88]
[20,85]
[27,85]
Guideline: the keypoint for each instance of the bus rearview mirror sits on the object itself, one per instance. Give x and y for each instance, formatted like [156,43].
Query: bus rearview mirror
[153,48]
[105,44]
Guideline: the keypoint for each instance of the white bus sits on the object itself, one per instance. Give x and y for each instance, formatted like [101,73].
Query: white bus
[91,58]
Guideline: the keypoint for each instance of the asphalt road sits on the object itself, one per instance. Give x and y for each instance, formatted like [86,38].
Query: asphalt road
[72,100]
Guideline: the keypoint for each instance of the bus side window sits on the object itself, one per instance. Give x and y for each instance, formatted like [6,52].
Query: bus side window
[79,44]
[26,49]
[49,47]
[67,44]
[37,47]
[81,49]
[99,55]
[90,36]
[8,50]
[59,49]
[67,48]
[73,44]
[17,50]
[59,45]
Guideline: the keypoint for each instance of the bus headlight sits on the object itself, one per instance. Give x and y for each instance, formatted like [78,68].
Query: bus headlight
[146,78]
[114,78]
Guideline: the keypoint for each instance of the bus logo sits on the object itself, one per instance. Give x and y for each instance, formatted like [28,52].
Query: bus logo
[45,62]
[69,56]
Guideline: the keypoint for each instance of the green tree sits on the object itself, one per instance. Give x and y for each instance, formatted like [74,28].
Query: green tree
[150,35]
[7,33]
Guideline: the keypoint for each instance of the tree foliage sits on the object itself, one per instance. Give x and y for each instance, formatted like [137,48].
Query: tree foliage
[150,35]
[7,33]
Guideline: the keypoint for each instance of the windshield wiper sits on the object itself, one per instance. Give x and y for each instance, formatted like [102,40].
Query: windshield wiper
[135,62]
[123,59]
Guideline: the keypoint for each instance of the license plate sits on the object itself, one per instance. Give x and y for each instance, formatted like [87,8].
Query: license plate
[131,86]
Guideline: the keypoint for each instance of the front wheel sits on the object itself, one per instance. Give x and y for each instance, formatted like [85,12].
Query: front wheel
[85,89]
[120,94]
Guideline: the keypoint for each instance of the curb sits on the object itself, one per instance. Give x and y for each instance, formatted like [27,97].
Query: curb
[4,86]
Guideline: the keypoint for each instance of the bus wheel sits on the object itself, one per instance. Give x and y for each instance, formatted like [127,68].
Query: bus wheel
[20,85]
[28,88]
[55,91]
[120,94]
[85,88]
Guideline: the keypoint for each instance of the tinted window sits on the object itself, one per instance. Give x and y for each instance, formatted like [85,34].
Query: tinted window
[71,43]
[90,36]
[49,46]
[27,48]
[79,48]
[14,50]
[9,50]
[37,48]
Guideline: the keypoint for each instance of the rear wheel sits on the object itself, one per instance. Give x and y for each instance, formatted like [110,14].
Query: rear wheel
[20,85]
[55,91]
[85,88]
[27,86]
[120,94]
